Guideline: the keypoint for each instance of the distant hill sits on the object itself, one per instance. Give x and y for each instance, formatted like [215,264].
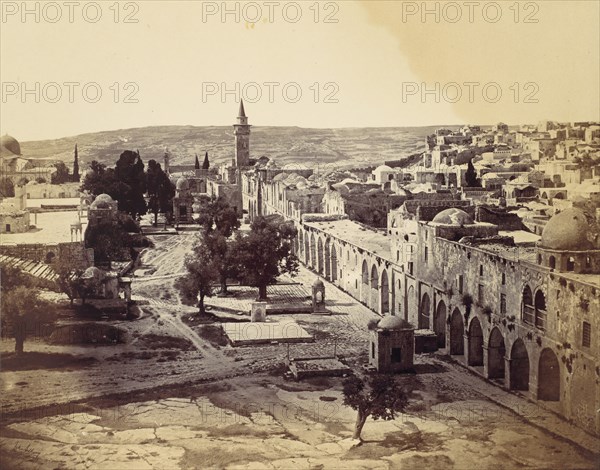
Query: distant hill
[344,147]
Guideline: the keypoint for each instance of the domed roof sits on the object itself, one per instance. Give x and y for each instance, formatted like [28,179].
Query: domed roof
[318,283]
[11,144]
[390,322]
[568,230]
[102,201]
[383,168]
[453,216]
[182,184]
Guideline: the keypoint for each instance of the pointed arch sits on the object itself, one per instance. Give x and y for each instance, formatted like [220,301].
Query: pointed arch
[548,376]
[439,324]
[334,266]
[496,353]
[457,330]
[374,288]
[475,343]
[519,366]
[385,293]
[365,282]
[320,256]
[328,259]
[424,312]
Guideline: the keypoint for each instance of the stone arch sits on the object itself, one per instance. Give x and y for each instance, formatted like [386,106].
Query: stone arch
[365,282]
[328,259]
[496,353]
[457,330]
[439,324]
[559,195]
[410,304]
[334,266]
[519,366]
[475,343]
[385,293]
[374,288]
[424,312]
[552,262]
[306,251]
[548,376]
[527,310]
[320,257]
[540,309]
[313,251]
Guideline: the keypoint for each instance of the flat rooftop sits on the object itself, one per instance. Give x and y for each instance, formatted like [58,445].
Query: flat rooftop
[63,201]
[357,235]
[51,227]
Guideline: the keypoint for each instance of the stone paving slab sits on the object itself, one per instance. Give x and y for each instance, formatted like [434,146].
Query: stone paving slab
[284,330]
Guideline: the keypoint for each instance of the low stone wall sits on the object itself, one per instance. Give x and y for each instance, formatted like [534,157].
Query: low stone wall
[73,253]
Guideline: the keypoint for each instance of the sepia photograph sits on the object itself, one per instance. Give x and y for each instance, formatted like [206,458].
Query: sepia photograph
[313,235]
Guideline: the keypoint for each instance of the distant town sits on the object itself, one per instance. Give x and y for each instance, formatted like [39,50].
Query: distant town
[465,274]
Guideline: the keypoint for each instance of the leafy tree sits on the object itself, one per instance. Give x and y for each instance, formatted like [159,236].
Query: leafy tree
[22,310]
[202,273]
[266,252]
[382,398]
[76,175]
[219,221]
[129,170]
[7,188]
[160,189]
[471,176]
[62,174]
[197,163]
[110,242]
[205,163]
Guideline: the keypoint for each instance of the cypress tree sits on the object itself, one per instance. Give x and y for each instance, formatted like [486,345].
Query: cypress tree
[205,164]
[76,166]
[197,164]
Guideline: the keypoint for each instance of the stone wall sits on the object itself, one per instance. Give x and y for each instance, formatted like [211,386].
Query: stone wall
[72,253]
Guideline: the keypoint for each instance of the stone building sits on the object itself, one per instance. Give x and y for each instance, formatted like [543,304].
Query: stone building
[392,345]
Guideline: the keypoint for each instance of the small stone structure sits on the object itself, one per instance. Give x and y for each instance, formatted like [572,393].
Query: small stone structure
[318,297]
[392,345]
[258,312]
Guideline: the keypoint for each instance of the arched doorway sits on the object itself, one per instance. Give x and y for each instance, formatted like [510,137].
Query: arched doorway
[548,376]
[496,353]
[410,305]
[313,251]
[300,244]
[424,312]
[385,293]
[374,288]
[320,256]
[365,283]
[475,343]
[306,251]
[439,324]
[328,260]
[457,329]
[519,366]
[334,273]
[540,310]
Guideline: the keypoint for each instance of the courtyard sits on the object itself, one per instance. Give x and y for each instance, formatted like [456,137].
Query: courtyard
[176,394]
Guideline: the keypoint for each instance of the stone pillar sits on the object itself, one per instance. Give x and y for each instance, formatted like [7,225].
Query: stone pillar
[486,372]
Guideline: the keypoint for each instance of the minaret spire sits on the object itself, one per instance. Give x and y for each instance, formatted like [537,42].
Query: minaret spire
[241,112]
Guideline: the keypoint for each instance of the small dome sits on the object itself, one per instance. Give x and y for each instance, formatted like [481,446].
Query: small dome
[11,144]
[381,168]
[567,231]
[318,283]
[390,322]
[103,201]
[182,184]
[453,216]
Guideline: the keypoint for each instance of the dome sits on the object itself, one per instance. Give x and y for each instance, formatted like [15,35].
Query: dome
[453,216]
[182,184]
[102,201]
[390,322]
[567,231]
[318,283]
[381,168]
[11,144]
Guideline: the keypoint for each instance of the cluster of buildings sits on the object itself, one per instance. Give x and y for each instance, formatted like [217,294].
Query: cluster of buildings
[505,274]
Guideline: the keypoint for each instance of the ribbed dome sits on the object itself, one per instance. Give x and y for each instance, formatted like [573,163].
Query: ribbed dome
[390,322]
[568,231]
[11,144]
[453,216]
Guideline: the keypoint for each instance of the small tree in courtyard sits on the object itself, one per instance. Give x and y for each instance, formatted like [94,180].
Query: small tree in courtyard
[266,252]
[69,280]
[23,310]
[382,398]
[200,277]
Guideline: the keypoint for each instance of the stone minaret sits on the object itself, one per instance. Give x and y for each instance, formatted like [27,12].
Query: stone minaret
[241,131]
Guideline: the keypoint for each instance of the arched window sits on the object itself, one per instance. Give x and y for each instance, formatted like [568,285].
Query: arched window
[571,264]
[540,310]
[552,262]
[527,309]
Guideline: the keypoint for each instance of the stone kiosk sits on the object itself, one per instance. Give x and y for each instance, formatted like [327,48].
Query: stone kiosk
[392,345]
[318,298]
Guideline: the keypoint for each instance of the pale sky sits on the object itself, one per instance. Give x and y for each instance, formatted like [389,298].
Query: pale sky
[374,63]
